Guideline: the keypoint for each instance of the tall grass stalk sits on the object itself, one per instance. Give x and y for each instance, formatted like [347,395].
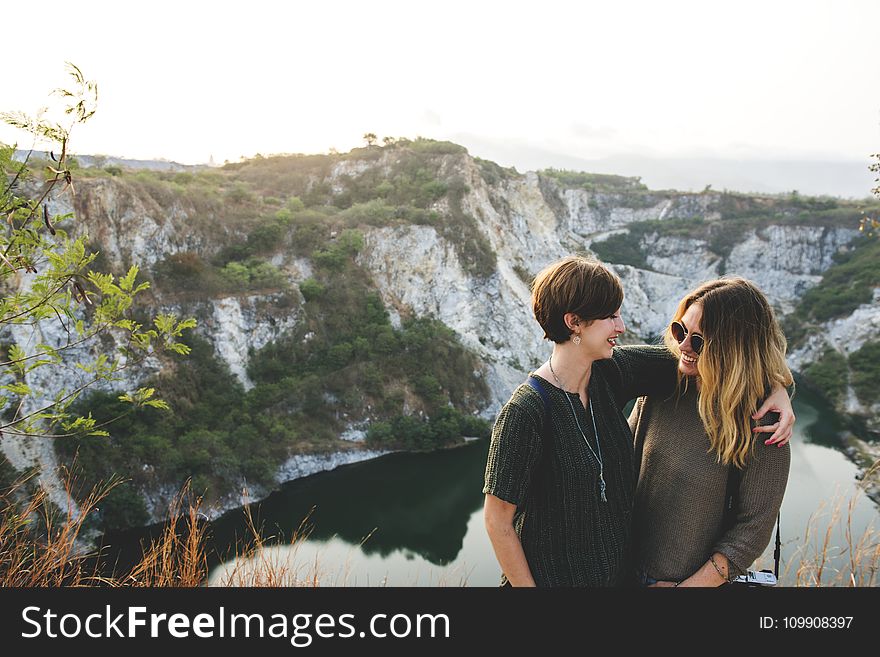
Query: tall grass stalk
[39,542]
[819,561]
[42,545]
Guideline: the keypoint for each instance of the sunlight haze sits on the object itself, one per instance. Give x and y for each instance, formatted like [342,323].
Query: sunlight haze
[519,83]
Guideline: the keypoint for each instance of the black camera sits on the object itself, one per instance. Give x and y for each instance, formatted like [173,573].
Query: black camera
[756,578]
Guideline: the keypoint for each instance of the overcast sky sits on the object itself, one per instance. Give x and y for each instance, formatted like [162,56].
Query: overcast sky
[189,80]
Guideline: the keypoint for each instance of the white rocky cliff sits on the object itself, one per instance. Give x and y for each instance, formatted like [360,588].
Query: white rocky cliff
[419,272]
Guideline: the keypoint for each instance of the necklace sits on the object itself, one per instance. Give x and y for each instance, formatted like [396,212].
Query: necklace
[596,456]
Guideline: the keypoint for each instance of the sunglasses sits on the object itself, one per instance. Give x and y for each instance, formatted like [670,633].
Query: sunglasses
[679,332]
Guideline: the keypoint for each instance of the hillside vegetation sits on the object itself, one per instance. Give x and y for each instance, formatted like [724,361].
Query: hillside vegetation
[411,387]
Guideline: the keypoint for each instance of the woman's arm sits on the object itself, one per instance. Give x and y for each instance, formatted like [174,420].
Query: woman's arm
[762,486]
[639,370]
[714,572]
[514,456]
[498,516]
[761,489]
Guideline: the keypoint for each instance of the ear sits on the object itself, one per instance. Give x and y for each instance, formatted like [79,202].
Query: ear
[571,320]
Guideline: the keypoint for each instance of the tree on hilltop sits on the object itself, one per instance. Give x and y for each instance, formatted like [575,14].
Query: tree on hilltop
[870,224]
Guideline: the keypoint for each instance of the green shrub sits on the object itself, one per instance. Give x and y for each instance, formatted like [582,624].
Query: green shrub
[266,238]
[252,274]
[849,283]
[622,249]
[340,251]
[239,192]
[121,508]
[493,173]
[830,375]
[311,289]
[236,275]
[865,366]
[373,213]
[434,147]
[447,426]
[384,188]
[187,272]
[594,181]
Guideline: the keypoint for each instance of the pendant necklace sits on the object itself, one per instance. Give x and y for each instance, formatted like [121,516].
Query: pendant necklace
[598,456]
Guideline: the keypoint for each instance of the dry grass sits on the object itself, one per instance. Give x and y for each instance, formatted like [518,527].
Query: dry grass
[39,543]
[820,561]
[40,546]
[177,558]
[259,562]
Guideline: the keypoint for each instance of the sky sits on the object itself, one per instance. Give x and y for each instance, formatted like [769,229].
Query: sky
[526,84]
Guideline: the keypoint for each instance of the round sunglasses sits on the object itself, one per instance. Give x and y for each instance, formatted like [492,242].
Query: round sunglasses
[679,332]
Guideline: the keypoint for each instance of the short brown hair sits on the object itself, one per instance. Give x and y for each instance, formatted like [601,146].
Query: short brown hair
[574,285]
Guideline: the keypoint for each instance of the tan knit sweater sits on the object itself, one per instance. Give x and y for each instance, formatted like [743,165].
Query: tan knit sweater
[680,493]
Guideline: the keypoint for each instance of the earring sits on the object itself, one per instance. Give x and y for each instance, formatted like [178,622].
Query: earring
[576,339]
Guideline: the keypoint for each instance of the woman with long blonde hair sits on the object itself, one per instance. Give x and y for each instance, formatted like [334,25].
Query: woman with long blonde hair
[731,353]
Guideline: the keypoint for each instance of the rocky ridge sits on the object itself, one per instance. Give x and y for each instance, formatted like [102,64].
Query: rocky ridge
[529,220]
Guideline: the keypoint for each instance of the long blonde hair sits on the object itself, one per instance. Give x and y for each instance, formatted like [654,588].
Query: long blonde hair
[742,359]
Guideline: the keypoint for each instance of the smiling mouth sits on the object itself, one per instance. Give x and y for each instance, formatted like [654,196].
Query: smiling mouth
[690,360]
[612,342]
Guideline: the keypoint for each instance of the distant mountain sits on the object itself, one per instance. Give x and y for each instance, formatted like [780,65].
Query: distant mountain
[814,178]
[841,178]
[109,160]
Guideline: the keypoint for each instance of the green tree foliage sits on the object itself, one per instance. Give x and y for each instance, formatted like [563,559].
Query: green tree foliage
[408,432]
[343,362]
[46,277]
[311,289]
[864,364]
[849,283]
[830,375]
[870,223]
[623,249]
[595,181]
[209,435]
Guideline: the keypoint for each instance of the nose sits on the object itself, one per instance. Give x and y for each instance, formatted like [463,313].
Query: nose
[686,345]
[619,325]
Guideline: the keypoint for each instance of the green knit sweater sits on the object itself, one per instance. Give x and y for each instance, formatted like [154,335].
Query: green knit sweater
[681,489]
[569,536]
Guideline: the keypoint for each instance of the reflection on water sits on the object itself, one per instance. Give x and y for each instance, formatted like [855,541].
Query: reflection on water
[400,520]
[415,503]
[427,509]
[416,519]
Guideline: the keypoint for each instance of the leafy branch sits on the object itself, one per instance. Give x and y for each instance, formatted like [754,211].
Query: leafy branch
[869,224]
[45,277]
